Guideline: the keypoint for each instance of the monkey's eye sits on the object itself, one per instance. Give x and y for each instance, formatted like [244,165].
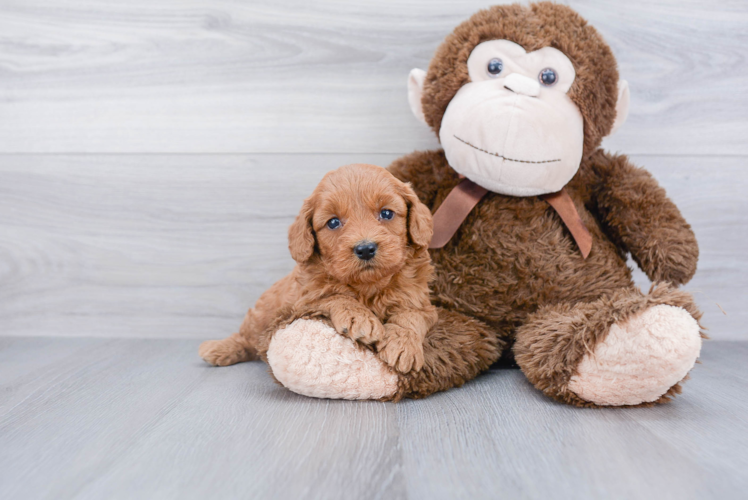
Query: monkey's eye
[548,77]
[333,223]
[495,66]
[386,214]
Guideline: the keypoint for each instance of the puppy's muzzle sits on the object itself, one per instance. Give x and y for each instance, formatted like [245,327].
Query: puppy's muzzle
[365,250]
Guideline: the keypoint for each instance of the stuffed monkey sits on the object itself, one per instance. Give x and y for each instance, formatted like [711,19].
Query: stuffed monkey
[533,225]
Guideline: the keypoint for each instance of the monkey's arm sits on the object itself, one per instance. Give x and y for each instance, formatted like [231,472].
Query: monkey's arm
[404,333]
[641,217]
[426,171]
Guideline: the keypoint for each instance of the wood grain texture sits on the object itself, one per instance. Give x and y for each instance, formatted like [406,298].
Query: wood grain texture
[499,437]
[327,76]
[127,244]
[149,414]
[181,246]
[145,418]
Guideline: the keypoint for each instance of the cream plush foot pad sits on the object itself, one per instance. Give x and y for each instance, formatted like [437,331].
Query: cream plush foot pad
[311,358]
[640,359]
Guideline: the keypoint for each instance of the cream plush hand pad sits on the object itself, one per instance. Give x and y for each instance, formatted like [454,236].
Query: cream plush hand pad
[310,358]
[640,359]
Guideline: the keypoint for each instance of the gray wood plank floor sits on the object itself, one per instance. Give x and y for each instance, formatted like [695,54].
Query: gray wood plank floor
[145,418]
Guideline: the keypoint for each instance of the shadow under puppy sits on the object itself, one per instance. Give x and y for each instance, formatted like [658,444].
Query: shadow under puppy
[361,247]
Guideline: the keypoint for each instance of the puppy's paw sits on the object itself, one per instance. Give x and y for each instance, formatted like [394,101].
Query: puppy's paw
[221,352]
[402,349]
[361,326]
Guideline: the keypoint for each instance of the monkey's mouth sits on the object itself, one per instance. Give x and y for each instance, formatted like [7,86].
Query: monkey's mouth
[502,156]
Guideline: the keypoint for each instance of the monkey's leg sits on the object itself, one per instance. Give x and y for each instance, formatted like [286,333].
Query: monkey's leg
[311,358]
[457,349]
[623,349]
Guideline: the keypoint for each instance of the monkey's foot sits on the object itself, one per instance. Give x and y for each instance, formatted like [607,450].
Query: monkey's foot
[640,359]
[310,358]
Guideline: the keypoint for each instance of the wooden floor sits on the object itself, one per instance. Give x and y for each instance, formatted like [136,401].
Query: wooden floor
[145,418]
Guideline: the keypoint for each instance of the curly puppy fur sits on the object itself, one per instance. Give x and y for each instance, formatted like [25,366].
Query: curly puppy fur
[382,302]
[513,266]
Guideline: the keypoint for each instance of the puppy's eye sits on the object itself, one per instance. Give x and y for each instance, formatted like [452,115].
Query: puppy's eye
[333,223]
[386,214]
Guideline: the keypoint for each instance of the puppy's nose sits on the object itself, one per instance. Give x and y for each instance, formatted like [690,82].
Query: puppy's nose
[365,250]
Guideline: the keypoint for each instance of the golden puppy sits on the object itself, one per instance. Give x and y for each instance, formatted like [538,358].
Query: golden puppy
[361,247]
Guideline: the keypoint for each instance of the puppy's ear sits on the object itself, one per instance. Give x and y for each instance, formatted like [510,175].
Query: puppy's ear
[301,235]
[420,224]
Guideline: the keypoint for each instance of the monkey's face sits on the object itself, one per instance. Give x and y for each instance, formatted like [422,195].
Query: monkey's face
[512,128]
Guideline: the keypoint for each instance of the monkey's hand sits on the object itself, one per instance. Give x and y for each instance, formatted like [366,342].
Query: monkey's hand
[638,212]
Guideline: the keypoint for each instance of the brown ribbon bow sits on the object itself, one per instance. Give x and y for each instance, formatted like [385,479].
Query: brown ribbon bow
[462,199]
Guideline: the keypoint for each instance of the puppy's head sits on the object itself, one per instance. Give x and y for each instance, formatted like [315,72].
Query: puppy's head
[362,223]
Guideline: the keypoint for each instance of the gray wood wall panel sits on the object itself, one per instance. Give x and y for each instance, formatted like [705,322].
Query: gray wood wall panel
[154,228]
[327,76]
[181,245]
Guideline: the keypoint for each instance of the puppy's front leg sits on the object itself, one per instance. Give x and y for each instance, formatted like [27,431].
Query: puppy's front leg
[353,319]
[402,346]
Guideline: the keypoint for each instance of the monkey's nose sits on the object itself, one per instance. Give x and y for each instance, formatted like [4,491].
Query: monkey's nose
[522,84]
[365,250]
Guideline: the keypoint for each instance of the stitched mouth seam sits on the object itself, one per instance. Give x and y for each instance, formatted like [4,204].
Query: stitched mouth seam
[502,156]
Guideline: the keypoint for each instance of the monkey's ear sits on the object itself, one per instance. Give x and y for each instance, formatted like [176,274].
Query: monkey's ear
[415,92]
[622,105]
[301,235]
[420,223]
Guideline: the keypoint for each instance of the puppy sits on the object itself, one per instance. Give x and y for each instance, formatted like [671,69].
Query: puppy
[361,247]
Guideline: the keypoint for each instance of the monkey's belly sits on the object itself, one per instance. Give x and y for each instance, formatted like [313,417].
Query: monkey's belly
[514,255]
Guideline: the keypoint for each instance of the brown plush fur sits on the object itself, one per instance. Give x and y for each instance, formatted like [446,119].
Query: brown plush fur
[513,268]
[456,350]
[513,258]
[383,302]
